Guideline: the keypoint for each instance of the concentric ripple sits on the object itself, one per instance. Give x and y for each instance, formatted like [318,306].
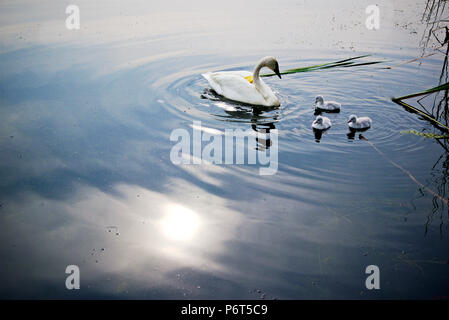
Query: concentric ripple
[364,91]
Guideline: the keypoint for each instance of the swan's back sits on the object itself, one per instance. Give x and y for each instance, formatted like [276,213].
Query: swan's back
[227,81]
[332,105]
[364,121]
[234,86]
[361,123]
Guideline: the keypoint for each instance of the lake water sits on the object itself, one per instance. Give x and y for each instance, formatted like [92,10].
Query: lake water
[86,177]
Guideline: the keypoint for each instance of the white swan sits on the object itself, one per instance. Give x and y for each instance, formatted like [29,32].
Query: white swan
[326,105]
[321,123]
[359,123]
[244,86]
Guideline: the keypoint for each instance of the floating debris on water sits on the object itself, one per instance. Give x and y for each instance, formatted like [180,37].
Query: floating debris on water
[113,228]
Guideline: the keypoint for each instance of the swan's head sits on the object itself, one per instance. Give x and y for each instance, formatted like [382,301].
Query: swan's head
[271,62]
[352,118]
[319,100]
[319,120]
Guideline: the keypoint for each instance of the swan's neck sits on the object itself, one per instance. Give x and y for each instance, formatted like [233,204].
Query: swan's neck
[256,76]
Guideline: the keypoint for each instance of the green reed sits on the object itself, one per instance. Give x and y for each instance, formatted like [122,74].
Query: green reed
[336,64]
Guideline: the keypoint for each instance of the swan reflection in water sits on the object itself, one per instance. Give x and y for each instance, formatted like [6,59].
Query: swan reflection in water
[352,132]
[260,123]
[261,118]
[318,134]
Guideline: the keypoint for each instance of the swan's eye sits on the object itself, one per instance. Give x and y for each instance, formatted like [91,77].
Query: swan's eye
[250,79]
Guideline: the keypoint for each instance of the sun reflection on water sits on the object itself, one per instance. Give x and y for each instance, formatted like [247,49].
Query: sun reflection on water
[180,223]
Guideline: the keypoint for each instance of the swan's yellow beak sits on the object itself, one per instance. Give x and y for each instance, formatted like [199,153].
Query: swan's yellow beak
[250,79]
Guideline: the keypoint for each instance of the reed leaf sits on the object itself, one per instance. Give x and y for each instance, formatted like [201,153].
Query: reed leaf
[399,101]
[431,90]
[340,63]
[365,63]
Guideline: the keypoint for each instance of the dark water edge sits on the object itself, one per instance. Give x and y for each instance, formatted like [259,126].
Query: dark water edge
[85,147]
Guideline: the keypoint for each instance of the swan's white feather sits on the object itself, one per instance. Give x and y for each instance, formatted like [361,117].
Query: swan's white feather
[360,123]
[234,86]
[329,105]
[322,126]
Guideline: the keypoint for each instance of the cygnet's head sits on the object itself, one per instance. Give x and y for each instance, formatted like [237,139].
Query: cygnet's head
[319,120]
[319,100]
[352,118]
[271,62]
